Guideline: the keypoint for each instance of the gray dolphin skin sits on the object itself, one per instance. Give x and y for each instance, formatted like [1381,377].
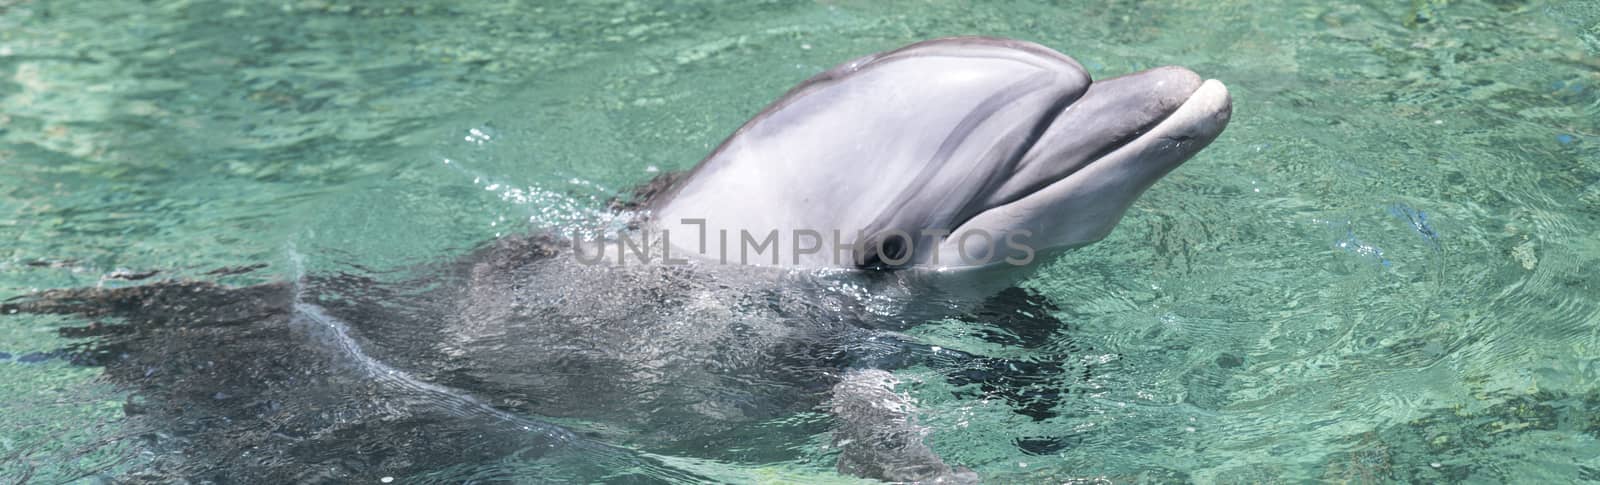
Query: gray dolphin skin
[521,352]
[944,144]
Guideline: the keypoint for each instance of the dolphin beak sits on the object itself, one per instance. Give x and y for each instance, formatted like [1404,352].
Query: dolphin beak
[1150,122]
[1101,152]
[1114,113]
[1158,119]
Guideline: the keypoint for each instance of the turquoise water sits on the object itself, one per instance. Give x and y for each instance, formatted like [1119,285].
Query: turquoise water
[1383,270]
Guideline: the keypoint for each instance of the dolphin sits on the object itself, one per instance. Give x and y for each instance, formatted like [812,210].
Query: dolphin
[873,197]
[893,160]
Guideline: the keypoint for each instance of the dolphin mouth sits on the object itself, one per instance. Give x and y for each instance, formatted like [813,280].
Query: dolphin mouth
[1168,114]
[1176,134]
[1100,153]
[1081,166]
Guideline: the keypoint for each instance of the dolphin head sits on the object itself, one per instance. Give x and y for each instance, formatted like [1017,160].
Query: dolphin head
[951,153]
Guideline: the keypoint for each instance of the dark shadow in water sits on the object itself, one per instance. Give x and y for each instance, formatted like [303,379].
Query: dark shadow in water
[242,385]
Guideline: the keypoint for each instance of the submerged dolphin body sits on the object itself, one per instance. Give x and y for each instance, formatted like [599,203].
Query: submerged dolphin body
[469,360]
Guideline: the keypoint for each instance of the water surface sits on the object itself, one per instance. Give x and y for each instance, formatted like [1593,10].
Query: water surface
[1383,270]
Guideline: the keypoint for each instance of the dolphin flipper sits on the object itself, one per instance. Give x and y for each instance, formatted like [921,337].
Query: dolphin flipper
[878,436]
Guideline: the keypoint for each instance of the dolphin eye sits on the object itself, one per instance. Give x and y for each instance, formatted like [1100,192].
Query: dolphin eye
[894,247]
[893,254]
